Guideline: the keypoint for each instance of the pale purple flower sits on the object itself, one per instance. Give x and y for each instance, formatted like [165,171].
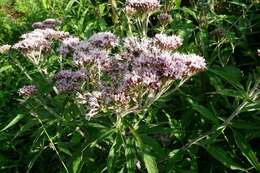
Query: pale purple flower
[120,98]
[143,5]
[120,81]
[48,33]
[68,44]
[165,18]
[37,42]
[132,79]
[89,56]
[130,11]
[168,42]
[32,44]
[67,81]
[151,80]
[27,90]
[104,40]
[5,48]
[187,64]
[48,23]
[258,52]
[136,46]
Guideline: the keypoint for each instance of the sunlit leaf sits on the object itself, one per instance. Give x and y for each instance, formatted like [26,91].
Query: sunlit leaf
[221,155]
[246,149]
[13,122]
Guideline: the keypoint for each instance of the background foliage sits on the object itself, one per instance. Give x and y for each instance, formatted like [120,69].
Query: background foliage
[211,124]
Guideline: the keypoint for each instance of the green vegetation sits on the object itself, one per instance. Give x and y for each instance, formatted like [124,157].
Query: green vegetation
[210,124]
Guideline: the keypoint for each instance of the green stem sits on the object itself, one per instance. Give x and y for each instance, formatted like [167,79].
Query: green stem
[51,142]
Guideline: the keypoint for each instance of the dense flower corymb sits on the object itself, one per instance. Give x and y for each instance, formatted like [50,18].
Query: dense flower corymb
[165,18]
[123,76]
[37,42]
[103,40]
[142,5]
[67,81]
[27,90]
[47,23]
[168,42]
[141,68]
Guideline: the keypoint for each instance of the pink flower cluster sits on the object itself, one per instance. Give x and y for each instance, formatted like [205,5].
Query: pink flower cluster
[67,81]
[47,23]
[121,80]
[168,42]
[27,90]
[5,48]
[165,18]
[116,75]
[37,42]
[140,6]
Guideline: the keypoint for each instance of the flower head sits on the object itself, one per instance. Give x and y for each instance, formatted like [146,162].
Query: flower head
[67,81]
[165,18]
[68,44]
[143,5]
[47,23]
[5,48]
[168,42]
[103,40]
[27,90]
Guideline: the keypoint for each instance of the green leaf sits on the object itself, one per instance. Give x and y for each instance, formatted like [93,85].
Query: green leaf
[130,155]
[248,125]
[154,145]
[221,155]
[62,147]
[2,69]
[205,112]
[76,164]
[174,157]
[150,163]
[13,122]
[231,74]
[101,137]
[231,93]
[255,106]
[149,160]
[112,156]
[70,4]
[246,150]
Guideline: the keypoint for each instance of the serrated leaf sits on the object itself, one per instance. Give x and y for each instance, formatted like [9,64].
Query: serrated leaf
[149,160]
[231,93]
[255,106]
[174,157]
[150,163]
[130,155]
[64,149]
[249,125]
[112,156]
[155,146]
[2,69]
[231,74]
[205,112]
[76,164]
[223,157]
[246,150]
[13,122]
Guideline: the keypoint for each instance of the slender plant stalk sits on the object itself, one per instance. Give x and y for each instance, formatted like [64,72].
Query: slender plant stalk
[51,142]
[227,122]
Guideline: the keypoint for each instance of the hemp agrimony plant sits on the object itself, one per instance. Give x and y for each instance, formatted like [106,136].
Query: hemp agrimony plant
[108,75]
